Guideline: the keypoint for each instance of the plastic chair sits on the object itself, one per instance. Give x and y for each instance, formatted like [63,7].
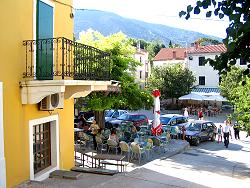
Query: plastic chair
[112,145]
[100,144]
[125,149]
[136,151]
[174,132]
[149,147]
[168,136]
[158,144]
[85,139]
[106,133]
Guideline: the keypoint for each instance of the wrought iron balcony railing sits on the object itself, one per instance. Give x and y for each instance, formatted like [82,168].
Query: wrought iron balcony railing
[47,58]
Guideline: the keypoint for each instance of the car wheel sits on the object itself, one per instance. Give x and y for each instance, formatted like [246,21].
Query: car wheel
[197,142]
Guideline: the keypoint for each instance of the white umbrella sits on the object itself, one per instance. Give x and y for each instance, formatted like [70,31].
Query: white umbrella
[215,98]
[157,126]
[193,96]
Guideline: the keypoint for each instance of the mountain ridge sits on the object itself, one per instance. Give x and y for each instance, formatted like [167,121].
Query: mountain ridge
[108,23]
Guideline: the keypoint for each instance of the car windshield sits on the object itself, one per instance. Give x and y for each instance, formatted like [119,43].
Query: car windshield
[194,127]
[164,120]
[109,113]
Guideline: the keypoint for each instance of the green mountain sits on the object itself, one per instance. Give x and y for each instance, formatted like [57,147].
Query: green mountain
[108,23]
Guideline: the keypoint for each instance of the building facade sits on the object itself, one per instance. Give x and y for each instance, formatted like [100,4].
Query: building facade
[42,71]
[170,56]
[206,75]
[143,71]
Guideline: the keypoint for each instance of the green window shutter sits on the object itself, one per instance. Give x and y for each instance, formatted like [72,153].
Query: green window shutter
[44,52]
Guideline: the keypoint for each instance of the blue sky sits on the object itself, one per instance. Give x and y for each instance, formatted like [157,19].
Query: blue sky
[158,11]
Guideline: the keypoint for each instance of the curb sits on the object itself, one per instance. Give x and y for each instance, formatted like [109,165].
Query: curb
[171,154]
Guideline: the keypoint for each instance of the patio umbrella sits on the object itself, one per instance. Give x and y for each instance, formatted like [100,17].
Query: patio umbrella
[193,96]
[157,126]
[216,98]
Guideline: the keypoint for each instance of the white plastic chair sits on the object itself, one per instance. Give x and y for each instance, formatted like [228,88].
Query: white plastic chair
[100,144]
[125,149]
[112,145]
[136,151]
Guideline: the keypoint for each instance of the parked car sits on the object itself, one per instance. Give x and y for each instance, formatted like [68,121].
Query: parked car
[113,114]
[110,115]
[128,118]
[200,130]
[173,120]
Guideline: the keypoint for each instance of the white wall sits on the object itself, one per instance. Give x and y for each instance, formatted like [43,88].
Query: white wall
[211,75]
[145,67]
[168,63]
[238,64]
[2,157]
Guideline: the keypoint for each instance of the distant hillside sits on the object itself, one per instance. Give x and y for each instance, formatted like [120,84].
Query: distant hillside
[109,23]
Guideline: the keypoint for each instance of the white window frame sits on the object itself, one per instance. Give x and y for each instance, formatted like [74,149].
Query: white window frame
[2,156]
[54,136]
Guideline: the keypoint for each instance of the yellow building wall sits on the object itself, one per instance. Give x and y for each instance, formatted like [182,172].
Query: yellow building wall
[17,25]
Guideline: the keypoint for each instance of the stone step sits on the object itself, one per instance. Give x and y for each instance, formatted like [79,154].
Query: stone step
[95,170]
[65,174]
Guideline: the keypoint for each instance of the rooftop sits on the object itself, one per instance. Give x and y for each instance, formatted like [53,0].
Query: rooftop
[220,48]
[171,54]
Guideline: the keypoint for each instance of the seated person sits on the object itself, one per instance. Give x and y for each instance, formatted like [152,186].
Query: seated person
[134,134]
[113,135]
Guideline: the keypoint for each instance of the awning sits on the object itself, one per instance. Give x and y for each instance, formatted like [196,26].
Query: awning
[208,91]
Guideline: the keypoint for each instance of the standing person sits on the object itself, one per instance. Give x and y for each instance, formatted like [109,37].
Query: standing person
[94,128]
[219,134]
[82,121]
[183,130]
[200,114]
[186,112]
[236,131]
[226,133]
[215,131]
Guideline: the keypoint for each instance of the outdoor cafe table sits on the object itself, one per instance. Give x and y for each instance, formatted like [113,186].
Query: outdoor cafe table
[117,158]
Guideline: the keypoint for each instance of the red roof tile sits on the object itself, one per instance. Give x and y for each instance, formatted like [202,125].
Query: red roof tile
[208,49]
[171,54]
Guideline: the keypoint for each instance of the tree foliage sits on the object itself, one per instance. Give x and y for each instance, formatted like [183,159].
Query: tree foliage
[231,80]
[241,99]
[152,47]
[171,45]
[238,95]
[123,66]
[237,40]
[207,41]
[173,81]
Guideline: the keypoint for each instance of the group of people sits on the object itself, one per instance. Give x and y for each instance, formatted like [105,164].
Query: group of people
[199,113]
[226,132]
[94,130]
[207,110]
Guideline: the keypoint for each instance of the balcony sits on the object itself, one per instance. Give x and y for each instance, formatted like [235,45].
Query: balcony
[61,65]
[61,57]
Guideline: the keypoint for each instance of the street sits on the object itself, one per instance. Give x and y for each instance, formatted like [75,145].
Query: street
[210,164]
